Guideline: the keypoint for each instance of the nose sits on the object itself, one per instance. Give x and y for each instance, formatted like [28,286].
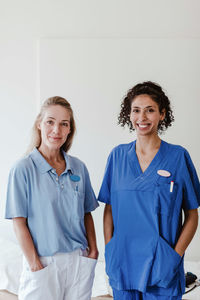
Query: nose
[143,115]
[56,129]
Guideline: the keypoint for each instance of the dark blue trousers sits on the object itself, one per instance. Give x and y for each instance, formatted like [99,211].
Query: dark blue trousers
[136,295]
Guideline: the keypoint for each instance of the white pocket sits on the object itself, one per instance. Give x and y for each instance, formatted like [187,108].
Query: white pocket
[86,275]
[46,262]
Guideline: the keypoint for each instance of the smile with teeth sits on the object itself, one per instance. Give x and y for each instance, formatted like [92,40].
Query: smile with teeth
[142,125]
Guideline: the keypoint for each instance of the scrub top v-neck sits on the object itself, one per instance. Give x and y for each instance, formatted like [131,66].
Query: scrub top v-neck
[135,161]
[147,217]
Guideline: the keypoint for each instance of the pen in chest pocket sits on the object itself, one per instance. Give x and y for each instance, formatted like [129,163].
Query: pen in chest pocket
[75,179]
[171,186]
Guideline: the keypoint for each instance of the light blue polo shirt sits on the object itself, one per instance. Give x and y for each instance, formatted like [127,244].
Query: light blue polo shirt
[53,205]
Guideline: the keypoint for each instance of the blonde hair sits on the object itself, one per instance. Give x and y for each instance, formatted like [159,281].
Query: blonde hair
[36,134]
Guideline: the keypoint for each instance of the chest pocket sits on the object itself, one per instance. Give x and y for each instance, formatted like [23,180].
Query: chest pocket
[78,205]
[165,198]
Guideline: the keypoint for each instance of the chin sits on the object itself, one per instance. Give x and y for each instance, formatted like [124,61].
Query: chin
[54,147]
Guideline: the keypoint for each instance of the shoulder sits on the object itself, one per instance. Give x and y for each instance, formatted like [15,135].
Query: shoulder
[22,165]
[21,169]
[119,154]
[122,149]
[176,148]
[75,163]
[178,152]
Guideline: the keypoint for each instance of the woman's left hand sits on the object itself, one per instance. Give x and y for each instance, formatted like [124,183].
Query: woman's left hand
[188,230]
[93,253]
[91,237]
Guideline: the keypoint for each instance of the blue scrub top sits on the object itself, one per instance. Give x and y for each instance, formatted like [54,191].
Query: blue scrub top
[147,218]
[53,205]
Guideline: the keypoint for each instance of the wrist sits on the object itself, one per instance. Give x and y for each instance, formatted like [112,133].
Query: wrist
[179,251]
[93,253]
[107,239]
[35,264]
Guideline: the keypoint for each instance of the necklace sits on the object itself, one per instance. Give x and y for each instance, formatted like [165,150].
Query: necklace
[59,167]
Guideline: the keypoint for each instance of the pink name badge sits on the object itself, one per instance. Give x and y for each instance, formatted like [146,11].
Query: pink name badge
[164,173]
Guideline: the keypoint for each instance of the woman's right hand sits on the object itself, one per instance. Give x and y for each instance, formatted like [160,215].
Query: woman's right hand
[36,266]
[26,242]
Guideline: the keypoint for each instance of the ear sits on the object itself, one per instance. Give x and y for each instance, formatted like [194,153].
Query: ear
[162,114]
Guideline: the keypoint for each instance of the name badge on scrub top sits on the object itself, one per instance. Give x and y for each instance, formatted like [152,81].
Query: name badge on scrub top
[164,173]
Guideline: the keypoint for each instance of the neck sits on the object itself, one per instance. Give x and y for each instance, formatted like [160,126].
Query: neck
[145,144]
[51,155]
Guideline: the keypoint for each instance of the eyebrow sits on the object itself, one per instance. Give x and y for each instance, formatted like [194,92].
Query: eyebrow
[144,107]
[61,121]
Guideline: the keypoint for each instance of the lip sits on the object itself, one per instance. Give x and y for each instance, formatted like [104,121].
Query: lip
[54,138]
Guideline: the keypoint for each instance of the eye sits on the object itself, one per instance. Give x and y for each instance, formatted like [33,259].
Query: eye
[150,110]
[65,124]
[50,122]
[135,110]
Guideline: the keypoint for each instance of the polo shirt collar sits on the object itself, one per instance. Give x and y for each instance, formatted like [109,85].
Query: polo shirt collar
[44,166]
[69,167]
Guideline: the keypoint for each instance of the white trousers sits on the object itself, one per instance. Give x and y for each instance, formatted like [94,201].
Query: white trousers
[65,276]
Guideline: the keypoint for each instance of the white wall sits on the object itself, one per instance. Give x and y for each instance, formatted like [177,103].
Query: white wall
[17,96]
[22,23]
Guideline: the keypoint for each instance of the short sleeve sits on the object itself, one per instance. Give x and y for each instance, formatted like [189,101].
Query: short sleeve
[90,202]
[191,188]
[104,194]
[16,200]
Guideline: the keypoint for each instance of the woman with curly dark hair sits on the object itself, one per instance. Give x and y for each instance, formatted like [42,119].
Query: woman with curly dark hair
[146,186]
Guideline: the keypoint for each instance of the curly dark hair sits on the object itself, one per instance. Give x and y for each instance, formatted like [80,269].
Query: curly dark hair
[157,94]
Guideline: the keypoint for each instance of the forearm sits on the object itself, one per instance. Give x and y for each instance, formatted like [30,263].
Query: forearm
[25,240]
[91,236]
[188,231]
[108,223]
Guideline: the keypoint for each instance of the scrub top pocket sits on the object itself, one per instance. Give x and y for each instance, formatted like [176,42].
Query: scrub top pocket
[165,199]
[165,266]
[111,259]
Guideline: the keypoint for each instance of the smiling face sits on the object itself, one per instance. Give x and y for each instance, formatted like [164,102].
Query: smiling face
[54,127]
[145,115]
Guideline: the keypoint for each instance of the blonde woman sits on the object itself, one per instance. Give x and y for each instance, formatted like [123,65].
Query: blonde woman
[50,199]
